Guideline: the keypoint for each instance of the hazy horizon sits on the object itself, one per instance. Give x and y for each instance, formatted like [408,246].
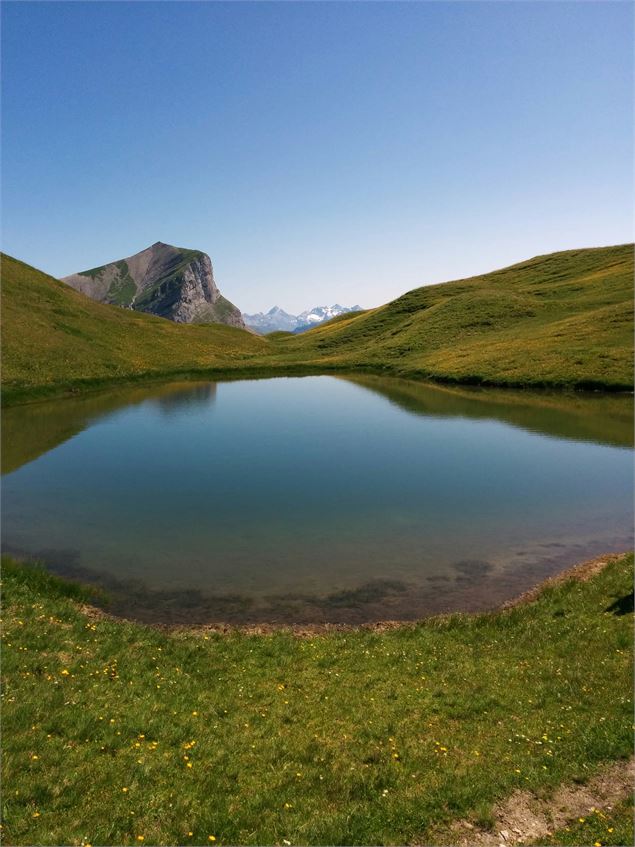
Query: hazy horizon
[319,152]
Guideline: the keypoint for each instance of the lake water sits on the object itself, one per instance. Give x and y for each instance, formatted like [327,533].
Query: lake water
[315,499]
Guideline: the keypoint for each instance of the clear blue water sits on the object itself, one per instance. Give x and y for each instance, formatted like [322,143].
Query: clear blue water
[315,499]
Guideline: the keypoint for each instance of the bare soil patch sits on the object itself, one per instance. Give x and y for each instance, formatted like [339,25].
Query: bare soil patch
[524,818]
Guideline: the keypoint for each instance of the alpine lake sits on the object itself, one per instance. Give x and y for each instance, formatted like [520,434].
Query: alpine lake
[322,499]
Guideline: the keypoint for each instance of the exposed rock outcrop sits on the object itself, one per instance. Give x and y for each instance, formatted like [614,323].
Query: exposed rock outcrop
[171,282]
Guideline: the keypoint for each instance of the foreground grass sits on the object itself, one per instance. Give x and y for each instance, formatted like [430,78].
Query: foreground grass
[563,320]
[601,828]
[115,733]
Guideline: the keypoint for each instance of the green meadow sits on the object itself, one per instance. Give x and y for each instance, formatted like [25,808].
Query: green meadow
[611,826]
[119,733]
[564,320]
[116,733]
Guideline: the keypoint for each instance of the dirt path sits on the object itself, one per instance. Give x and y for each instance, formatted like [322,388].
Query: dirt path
[523,817]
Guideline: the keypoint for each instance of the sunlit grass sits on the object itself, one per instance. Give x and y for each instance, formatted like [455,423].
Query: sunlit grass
[562,320]
[600,828]
[115,733]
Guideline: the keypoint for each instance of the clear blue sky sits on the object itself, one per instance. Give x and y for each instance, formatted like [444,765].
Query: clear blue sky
[319,152]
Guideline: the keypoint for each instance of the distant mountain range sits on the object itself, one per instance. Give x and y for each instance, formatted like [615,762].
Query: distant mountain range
[277,319]
[170,282]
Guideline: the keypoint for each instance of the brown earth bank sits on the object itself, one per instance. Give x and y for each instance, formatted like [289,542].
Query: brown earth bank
[525,818]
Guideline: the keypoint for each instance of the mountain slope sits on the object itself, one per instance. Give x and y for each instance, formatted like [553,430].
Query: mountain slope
[563,319]
[54,336]
[170,282]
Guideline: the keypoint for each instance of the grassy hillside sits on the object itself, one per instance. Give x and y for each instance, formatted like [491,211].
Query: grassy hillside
[562,320]
[54,336]
[115,733]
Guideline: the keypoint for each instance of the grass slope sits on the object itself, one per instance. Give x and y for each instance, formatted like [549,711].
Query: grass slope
[601,828]
[116,733]
[561,320]
[54,337]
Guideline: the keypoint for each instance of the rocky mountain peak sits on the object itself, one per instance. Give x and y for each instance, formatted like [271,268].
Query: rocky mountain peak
[171,282]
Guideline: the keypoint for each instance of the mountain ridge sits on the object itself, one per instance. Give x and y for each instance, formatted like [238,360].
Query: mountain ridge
[170,282]
[558,321]
[277,320]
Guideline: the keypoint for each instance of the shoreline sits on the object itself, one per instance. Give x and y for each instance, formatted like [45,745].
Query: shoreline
[21,396]
[579,572]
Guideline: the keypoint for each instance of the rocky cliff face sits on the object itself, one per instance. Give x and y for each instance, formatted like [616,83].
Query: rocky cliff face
[167,281]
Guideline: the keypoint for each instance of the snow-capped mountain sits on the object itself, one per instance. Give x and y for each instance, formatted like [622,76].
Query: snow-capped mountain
[274,319]
[277,319]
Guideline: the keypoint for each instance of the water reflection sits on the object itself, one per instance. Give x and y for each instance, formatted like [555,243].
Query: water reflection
[581,416]
[31,430]
[317,499]
[189,397]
